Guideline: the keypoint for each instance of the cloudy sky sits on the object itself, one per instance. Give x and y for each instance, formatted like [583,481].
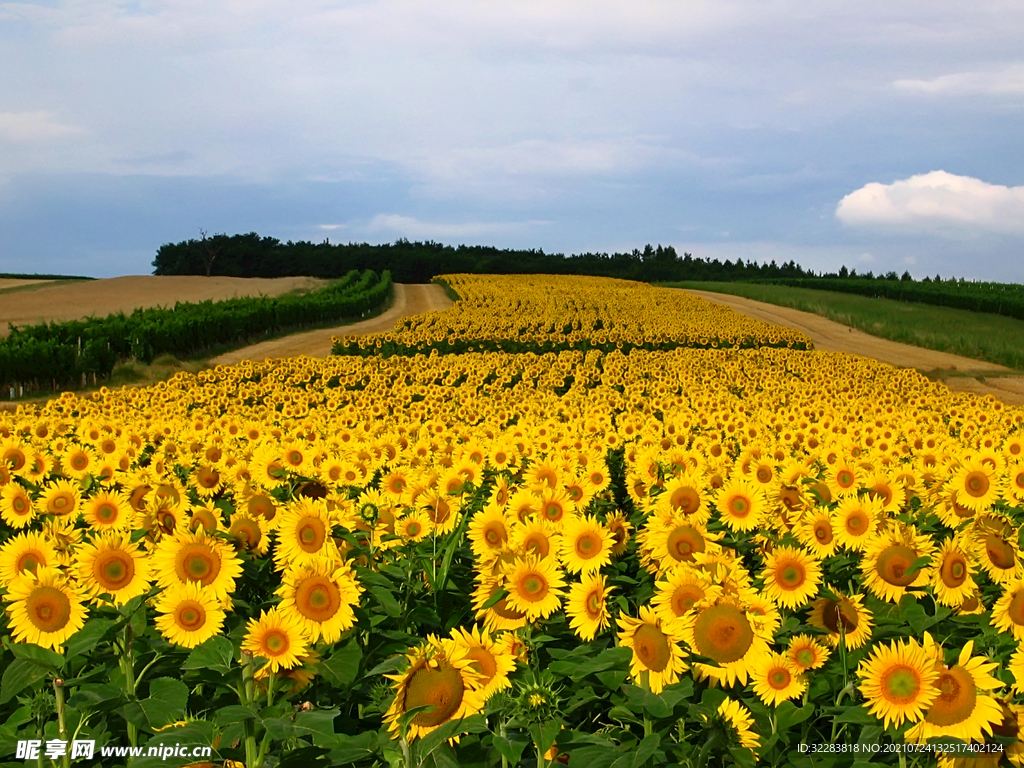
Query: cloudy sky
[877,134]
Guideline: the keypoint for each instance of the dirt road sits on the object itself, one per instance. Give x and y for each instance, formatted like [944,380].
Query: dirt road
[408,300]
[75,301]
[831,336]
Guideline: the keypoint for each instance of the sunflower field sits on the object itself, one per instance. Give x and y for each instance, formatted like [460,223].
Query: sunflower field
[654,533]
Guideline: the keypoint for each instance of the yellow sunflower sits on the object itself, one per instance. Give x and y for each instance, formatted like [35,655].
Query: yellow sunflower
[112,565]
[196,556]
[741,505]
[489,657]
[657,656]
[844,618]
[842,478]
[188,614]
[775,680]
[684,496]
[278,637]
[724,631]
[680,590]
[899,682]
[440,675]
[535,537]
[889,558]
[815,532]
[975,486]
[805,652]
[587,606]
[534,587]
[16,506]
[586,545]
[488,532]
[740,721]
[619,527]
[500,616]
[60,498]
[25,553]
[108,510]
[1008,612]
[44,607]
[790,576]
[952,578]
[304,534]
[994,539]
[414,525]
[963,709]
[856,520]
[322,596]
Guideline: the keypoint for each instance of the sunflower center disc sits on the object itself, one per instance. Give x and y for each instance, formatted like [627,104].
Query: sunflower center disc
[191,616]
[894,562]
[976,484]
[317,599]
[441,688]
[587,546]
[723,633]
[114,571]
[48,609]
[957,698]
[901,684]
[685,597]
[779,678]
[651,647]
[999,552]
[954,571]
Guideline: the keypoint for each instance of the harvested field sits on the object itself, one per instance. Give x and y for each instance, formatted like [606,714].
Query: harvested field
[408,300]
[75,301]
[831,336]
[6,283]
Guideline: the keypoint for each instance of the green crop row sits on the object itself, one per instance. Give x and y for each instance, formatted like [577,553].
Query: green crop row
[60,354]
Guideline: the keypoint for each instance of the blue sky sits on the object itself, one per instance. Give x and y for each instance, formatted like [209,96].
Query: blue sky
[874,134]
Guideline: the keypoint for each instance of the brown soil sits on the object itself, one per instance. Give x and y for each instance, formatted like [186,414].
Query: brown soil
[6,282]
[97,298]
[408,300]
[830,336]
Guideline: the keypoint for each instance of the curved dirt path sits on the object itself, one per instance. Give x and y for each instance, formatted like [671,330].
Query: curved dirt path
[830,336]
[409,299]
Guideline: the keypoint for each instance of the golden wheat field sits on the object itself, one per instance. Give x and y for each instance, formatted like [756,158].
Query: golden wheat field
[571,521]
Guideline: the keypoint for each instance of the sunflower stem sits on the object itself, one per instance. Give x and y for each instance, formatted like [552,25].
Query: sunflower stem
[130,684]
[502,732]
[62,725]
[249,691]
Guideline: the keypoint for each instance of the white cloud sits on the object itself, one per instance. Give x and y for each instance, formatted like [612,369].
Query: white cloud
[938,202]
[332,227]
[1009,81]
[32,126]
[407,226]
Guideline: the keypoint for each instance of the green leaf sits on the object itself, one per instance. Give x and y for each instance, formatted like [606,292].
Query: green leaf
[434,739]
[19,675]
[51,660]
[216,654]
[233,713]
[545,734]
[342,667]
[387,601]
[917,565]
[857,715]
[170,691]
[787,714]
[510,750]
[85,639]
[393,664]
[646,749]
[320,725]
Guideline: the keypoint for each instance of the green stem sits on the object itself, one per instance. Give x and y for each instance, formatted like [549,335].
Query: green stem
[62,724]
[130,683]
[502,732]
[248,689]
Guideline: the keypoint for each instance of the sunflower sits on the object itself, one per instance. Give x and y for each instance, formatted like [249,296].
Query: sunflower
[684,496]
[889,559]
[188,614]
[207,518]
[675,543]
[488,532]
[657,656]
[790,576]
[196,556]
[440,675]
[952,578]
[442,510]
[741,505]
[78,461]
[587,606]
[534,587]
[112,565]
[249,534]
[16,507]
[775,679]
[842,478]
[722,629]
[619,527]
[556,507]
[489,657]
[24,554]
[207,481]
[321,595]
[805,653]
[975,486]
[44,607]
[844,618]
[963,709]
[60,498]
[304,534]
[680,591]
[1008,612]
[278,637]
[815,532]
[586,545]
[499,616]
[899,682]
[414,525]
[739,720]
[856,520]
[535,537]
[995,542]
[108,510]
